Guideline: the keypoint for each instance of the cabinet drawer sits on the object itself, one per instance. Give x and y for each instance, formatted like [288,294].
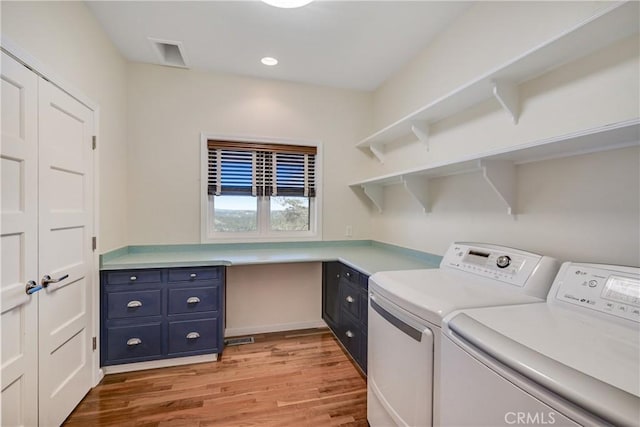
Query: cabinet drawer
[193,335]
[350,275]
[193,300]
[130,277]
[192,274]
[133,342]
[133,304]
[349,334]
[350,299]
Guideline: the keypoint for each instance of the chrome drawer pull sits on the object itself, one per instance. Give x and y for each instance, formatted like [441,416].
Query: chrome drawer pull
[349,334]
[193,275]
[349,299]
[134,341]
[133,278]
[348,274]
[193,300]
[134,304]
[193,335]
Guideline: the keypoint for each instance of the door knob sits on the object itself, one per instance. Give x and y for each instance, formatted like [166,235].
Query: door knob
[47,279]
[32,287]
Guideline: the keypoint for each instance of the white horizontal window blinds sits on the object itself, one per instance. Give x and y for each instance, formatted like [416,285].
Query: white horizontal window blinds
[238,168]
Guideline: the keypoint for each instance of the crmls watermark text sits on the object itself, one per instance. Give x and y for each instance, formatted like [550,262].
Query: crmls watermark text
[529,418]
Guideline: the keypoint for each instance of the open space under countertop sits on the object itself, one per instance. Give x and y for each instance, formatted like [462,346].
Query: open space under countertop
[366,256]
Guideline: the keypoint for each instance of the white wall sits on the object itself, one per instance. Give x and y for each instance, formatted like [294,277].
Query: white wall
[169,107]
[488,35]
[584,208]
[67,38]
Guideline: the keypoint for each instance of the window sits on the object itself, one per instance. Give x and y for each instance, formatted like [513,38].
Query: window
[259,191]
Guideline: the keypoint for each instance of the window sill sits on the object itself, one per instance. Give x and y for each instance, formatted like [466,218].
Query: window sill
[262,239]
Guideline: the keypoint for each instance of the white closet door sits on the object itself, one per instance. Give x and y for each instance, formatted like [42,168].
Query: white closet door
[19,165]
[65,253]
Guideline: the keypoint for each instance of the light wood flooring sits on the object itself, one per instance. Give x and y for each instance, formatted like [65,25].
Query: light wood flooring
[299,378]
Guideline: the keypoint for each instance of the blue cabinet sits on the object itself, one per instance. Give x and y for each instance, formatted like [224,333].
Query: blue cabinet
[344,308]
[151,314]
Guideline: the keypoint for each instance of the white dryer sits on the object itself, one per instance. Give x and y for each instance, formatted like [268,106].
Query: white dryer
[572,360]
[406,309]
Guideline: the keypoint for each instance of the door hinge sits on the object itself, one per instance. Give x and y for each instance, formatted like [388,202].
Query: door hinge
[94,142]
[94,343]
[94,243]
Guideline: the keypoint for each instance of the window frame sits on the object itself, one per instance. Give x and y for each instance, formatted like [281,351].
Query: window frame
[264,232]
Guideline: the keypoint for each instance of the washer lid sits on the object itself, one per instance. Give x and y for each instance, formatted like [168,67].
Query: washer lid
[432,294]
[587,359]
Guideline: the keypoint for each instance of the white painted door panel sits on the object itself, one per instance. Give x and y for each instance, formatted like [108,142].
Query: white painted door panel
[65,230]
[19,247]
[473,395]
[400,366]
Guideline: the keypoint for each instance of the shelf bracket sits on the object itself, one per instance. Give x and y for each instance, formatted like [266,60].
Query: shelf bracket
[418,187]
[375,193]
[421,130]
[501,176]
[377,149]
[506,93]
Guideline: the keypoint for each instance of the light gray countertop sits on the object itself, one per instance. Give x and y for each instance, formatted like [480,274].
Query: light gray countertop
[366,256]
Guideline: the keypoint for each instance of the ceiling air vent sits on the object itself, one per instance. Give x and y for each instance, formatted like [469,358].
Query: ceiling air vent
[169,52]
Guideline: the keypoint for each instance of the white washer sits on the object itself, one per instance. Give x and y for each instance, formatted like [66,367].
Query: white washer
[572,360]
[406,309]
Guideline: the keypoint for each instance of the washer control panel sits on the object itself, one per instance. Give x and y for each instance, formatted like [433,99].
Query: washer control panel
[508,265]
[607,289]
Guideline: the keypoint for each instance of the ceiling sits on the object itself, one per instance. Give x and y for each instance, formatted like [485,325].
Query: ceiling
[346,44]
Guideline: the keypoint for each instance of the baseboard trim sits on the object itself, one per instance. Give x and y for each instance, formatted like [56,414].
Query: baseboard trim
[164,363]
[100,376]
[279,327]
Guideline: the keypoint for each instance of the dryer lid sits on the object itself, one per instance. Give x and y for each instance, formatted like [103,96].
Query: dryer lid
[432,294]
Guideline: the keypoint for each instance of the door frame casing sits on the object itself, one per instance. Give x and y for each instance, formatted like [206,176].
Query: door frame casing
[31,62]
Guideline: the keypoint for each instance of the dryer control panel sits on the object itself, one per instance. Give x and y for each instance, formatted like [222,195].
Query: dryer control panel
[508,265]
[608,289]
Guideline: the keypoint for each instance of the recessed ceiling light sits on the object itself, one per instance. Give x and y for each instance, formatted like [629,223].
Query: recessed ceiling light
[287,4]
[267,60]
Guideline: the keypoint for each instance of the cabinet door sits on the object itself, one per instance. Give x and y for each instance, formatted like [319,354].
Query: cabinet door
[364,329]
[363,350]
[330,293]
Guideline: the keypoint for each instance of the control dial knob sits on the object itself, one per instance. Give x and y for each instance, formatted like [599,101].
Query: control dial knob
[503,261]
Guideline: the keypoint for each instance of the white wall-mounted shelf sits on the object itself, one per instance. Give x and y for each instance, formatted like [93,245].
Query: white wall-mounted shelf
[498,167]
[608,26]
